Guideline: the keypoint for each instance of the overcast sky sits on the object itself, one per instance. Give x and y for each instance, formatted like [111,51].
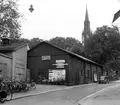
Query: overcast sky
[65,18]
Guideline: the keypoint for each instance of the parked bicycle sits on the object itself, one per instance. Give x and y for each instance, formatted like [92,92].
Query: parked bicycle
[32,84]
[19,86]
[7,88]
[6,92]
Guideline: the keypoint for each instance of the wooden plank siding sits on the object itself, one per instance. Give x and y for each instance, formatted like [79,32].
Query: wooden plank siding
[5,66]
[78,71]
[36,64]
[19,68]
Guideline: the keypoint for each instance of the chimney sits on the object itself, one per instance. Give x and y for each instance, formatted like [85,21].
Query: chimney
[5,41]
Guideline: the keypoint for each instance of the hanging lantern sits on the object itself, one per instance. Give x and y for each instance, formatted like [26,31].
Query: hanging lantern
[31,9]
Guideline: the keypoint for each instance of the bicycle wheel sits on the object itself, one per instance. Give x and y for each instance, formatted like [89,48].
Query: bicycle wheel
[33,85]
[2,100]
[3,95]
[9,96]
[25,88]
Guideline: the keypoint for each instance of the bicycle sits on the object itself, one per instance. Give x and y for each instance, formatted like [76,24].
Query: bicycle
[6,93]
[32,85]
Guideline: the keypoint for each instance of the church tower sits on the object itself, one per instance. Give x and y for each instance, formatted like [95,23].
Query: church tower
[86,32]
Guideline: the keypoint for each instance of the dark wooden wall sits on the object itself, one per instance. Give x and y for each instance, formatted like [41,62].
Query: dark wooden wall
[36,65]
[78,71]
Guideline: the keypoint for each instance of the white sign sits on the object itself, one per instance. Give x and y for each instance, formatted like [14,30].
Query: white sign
[47,57]
[55,75]
[60,63]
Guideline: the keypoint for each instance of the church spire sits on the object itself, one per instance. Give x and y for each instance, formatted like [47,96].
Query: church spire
[86,32]
[86,16]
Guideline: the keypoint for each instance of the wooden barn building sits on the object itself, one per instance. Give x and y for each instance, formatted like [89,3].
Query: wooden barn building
[55,64]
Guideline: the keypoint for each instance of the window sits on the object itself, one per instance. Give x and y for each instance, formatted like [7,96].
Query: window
[41,74]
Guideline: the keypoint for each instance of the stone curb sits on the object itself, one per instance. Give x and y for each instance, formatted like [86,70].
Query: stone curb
[82,101]
[33,94]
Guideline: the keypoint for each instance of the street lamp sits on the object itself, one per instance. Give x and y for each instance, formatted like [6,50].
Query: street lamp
[31,9]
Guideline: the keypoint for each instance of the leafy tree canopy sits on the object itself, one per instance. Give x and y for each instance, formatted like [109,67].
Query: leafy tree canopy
[103,46]
[65,43]
[9,19]
[32,42]
[78,49]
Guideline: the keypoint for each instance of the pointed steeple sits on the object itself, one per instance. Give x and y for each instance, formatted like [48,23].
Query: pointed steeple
[86,16]
[86,32]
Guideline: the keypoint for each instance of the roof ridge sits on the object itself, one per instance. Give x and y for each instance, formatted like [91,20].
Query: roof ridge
[69,52]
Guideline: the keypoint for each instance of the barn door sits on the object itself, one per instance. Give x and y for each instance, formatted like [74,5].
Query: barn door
[81,76]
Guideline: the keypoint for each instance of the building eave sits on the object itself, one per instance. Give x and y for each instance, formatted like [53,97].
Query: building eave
[68,52]
[26,44]
[4,55]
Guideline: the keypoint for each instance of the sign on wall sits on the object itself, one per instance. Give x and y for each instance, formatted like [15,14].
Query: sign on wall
[60,63]
[47,57]
[57,75]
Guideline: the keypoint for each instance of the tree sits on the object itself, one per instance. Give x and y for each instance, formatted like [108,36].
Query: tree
[58,41]
[78,49]
[65,43]
[9,19]
[103,47]
[33,42]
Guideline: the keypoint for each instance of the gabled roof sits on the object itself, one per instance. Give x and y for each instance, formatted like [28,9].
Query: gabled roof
[68,52]
[12,47]
[4,55]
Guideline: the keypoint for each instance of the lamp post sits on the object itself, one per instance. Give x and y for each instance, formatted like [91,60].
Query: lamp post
[31,9]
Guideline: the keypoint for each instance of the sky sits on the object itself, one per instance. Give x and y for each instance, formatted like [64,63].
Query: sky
[65,18]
